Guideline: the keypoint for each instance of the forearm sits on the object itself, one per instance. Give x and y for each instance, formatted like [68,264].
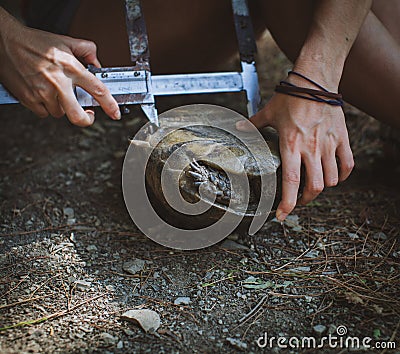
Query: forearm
[7,26]
[334,28]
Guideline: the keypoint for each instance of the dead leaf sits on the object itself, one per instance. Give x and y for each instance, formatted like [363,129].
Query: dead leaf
[147,319]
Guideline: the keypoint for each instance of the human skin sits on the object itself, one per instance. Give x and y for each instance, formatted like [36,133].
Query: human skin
[41,70]
[328,41]
[367,73]
[312,133]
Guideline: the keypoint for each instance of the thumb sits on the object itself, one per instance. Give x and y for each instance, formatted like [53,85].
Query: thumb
[259,120]
[85,50]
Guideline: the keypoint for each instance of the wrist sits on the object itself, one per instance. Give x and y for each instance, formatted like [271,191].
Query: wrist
[7,26]
[325,75]
[326,68]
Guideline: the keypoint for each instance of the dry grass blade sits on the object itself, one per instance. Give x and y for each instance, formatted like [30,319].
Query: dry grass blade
[50,317]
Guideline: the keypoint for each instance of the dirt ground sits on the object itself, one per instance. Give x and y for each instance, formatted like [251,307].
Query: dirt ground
[65,236]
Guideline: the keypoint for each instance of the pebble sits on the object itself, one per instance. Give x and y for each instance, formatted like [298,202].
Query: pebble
[68,213]
[379,236]
[134,266]
[232,245]
[233,237]
[83,285]
[149,320]
[182,300]
[108,338]
[352,235]
[312,254]
[91,248]
[128,331]
[319,329]
[301,269]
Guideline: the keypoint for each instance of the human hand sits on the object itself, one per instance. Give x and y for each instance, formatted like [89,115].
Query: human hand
[312,134]
[41,69]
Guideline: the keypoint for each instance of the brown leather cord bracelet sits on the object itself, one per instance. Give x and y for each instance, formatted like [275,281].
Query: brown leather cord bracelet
[287,88]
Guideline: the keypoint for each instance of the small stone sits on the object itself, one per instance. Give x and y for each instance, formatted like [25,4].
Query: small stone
[128,331]
[182,300]
[352,235]
[134,267]
[232,245]
[319,329]
[301,269]
[379,236]
[147,319]
[237,343]
[82,285]
[312,254]
[91,248]
[108,338]
[233,237]
[120,344]
[68,213]
[220,322]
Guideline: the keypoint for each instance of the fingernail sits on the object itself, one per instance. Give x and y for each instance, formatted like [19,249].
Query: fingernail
[90,116]
[117,114]
[280,215]
[245,125]
[240,124]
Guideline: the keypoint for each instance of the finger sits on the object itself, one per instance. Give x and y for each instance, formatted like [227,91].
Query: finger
[346,161]
[17,86]
[330,169]
[314,181]
[291,163]
[50,101]
[86,50]
[259,120]
[37,108]
[73,110]
[100,93]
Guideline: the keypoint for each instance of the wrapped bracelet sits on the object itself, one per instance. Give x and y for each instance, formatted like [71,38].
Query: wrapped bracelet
[321,95]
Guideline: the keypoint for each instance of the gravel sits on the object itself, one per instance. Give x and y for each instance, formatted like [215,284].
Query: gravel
[71,258]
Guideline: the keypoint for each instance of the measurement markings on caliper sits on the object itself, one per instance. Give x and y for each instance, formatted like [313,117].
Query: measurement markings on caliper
[136,82]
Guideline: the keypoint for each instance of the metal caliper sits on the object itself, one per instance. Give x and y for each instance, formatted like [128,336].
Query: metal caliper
[136,85]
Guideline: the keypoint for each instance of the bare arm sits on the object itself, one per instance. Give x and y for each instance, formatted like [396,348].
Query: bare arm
[314,133]
[41,69]
[333,31]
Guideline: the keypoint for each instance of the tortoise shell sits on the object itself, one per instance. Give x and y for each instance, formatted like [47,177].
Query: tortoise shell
[198,151]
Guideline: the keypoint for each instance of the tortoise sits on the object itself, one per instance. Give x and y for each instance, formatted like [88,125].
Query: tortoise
[198,152]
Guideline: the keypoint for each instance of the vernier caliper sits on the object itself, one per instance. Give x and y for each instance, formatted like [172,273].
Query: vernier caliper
[136,85]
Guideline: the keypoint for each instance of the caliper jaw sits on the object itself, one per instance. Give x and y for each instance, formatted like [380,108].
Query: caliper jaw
[127,85]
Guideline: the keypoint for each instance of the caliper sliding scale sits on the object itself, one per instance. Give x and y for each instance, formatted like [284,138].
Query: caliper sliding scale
[136,85]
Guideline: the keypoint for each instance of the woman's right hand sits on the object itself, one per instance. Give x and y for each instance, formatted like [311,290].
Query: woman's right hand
[41,69]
